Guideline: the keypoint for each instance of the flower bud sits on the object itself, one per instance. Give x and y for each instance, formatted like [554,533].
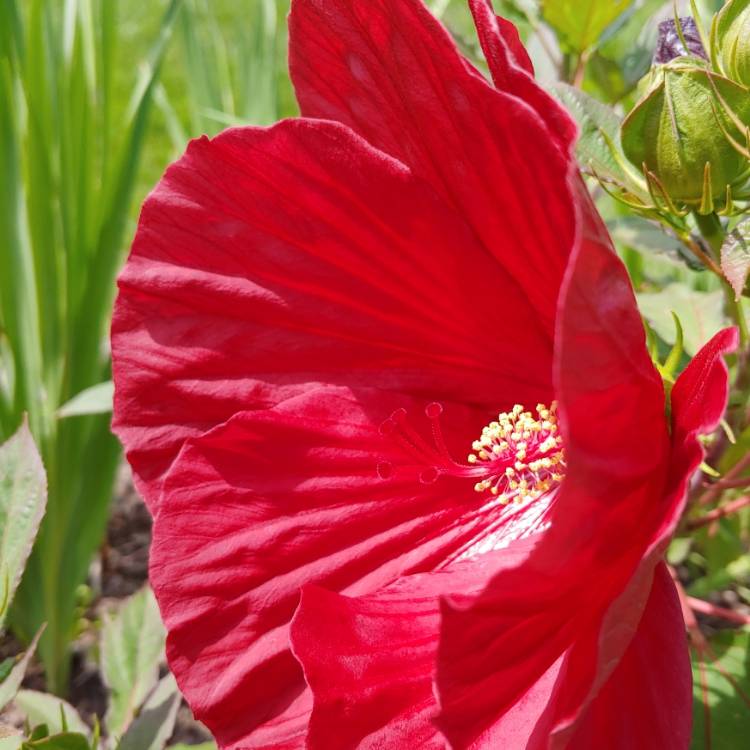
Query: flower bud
[731,40]
[672,43]
[687,134]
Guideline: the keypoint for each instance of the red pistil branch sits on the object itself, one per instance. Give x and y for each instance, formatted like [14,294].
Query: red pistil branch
[717,513]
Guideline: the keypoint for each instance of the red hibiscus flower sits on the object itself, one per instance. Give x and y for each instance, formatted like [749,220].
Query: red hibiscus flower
[318,323]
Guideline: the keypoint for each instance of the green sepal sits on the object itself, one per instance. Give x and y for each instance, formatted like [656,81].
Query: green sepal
[730,41]
[687,134]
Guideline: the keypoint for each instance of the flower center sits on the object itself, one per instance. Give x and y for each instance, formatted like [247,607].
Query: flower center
[522,454]
[517,458]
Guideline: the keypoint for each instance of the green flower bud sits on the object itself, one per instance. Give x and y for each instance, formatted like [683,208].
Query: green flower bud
[731,40]
[687,134]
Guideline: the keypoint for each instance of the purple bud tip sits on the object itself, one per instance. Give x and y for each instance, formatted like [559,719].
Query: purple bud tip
[670,45]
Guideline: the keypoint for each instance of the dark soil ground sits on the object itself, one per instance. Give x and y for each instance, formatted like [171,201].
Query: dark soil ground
[120,570]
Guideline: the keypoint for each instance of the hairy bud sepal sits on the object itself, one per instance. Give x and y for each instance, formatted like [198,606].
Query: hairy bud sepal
[688,134]
[731,41]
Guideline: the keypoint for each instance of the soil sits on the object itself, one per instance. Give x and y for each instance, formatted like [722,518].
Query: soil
[120,570]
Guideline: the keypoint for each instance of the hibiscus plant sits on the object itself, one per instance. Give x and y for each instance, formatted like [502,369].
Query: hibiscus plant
[414,460]
[438,393]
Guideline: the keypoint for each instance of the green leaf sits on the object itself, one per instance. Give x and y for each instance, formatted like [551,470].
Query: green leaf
[679,548]
[701,314]
[64,741]
[94,400]
[580,23]
[650,238]
[155,722]
[624,55]
[43,708]
[719,579]
[728,714]
[736,452]
[9,686]
[6,666]
[599,141]
[672,362]
[132,645]
[735,256]
[23,499]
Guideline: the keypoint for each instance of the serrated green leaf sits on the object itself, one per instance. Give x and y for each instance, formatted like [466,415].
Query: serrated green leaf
[23,499]
[701,313]
[155,722]
[598,145]
[132,644]
[729,715]
[580,23]
[9,686]
[94,400]
[43,708]
[735,256]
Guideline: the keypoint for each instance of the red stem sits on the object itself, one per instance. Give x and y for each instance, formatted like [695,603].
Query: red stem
[726,484]
[716,489]
[717,513]
[706,608]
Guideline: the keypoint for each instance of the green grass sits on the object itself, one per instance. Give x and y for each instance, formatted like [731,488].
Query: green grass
[96,97]
[71,148]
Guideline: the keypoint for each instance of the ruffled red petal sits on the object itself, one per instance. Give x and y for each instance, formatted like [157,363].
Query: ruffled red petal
[272,501]
[699,398]
[617,448]
[370,660]
[511,70]
[647,702]
[390,71]
[269,260]
[501,44]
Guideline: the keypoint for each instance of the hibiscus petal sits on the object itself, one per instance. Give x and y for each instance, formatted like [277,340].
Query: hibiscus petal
[647,702]
[390,71]
[500,645]
[512,71]
[267,260]
[369,660]
[277,499]
[699,396]
[500,42]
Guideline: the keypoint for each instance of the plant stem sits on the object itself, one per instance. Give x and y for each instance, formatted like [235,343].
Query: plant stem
[712,230]
[715,490]
[706,608]
[717,513]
